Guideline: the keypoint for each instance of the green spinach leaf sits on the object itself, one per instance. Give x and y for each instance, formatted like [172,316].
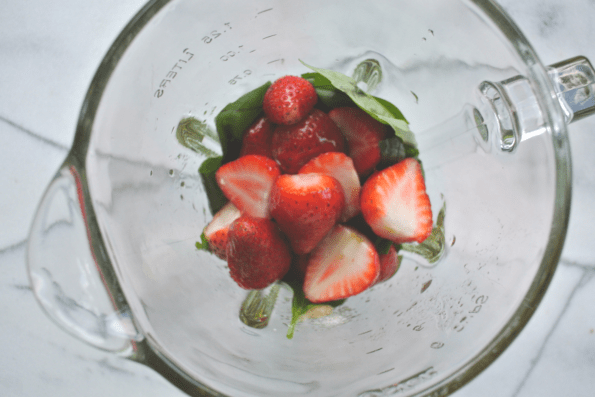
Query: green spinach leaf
[300,305]
[371,105]
[236,117]
[203,244]
[207,171]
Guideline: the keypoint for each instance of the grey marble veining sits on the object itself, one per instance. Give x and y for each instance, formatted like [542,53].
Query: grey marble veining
[48,55]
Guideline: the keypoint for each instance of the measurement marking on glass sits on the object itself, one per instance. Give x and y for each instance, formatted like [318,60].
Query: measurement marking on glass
[273,35]
[276,60]
[363,333]
[383,372]
[261,12]
[374,351]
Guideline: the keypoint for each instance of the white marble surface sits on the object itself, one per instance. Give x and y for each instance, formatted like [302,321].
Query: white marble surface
[48,54]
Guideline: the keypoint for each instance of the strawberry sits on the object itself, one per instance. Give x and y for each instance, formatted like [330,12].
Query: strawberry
[257,139]
[395,204]
[217,230]
[344,264]
[389,264]
[363,134]
[306,207]
[340,167]
[295,145]
[289,99]
[247,183]
[257,252]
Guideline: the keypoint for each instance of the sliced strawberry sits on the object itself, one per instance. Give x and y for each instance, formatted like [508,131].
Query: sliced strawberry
[363,134]
[257,252]
[344,264]
[395,204]
[289,99]
[389,264]
[216,231]
[295,145]
[247,183]
[306,207]
[257,139]
[339,166]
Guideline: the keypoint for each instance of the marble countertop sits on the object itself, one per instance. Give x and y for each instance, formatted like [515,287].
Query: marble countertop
[49,52]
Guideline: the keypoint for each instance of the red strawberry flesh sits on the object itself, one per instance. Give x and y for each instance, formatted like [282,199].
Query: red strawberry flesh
[247,183]
[216,231]
[289,99]
[339,166]
[306,207]
[295,145]
[344,264]
[257,252]
[395,204]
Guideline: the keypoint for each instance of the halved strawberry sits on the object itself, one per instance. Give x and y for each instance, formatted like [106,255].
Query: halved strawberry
[257,252]
[389,264]
[395,204]
[363,134]
[306,207]
[247,183]
[216,231]
[289,99]
[295,145]
[339,166]
[257,139]
[344,264]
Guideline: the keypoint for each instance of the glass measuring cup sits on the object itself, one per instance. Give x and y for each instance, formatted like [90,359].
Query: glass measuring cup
[120,196]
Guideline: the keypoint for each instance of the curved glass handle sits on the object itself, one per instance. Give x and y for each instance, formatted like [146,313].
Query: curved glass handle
[64,271]
[507,112]
[574,82]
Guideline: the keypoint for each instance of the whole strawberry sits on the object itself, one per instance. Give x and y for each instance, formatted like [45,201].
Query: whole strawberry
[389,264]
[295,145]
[289,99]
[306,207]
[363,134]
[257,253]
[257,139]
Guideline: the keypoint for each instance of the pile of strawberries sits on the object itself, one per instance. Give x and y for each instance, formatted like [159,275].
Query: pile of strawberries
[295,187]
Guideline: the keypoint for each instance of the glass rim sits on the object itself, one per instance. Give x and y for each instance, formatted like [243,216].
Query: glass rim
[145,353]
